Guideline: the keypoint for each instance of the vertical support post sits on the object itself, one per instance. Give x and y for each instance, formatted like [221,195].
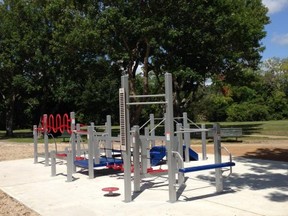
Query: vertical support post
[95,144]
[35,139]
[73,140]
[78,140]
[53,163]
[152,133]
[136,156]
[186,137]
[180,139]
[91,152]
[180,151]
[125,136]
[169,133]
[108,142]
[145,152]
[70,162]
[203,138]
[217,154]
[46,148]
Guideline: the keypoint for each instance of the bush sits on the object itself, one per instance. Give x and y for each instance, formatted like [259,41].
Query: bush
[247,112]
[215,107]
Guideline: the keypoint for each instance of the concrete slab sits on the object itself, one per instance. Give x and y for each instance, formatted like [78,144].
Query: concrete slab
[256,187]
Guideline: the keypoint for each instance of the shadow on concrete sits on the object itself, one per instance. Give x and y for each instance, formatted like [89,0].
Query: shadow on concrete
[277,154]
[209,195]
[148,185]
[263,175]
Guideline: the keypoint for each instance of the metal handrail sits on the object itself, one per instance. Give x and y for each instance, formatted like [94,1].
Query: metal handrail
[230,157]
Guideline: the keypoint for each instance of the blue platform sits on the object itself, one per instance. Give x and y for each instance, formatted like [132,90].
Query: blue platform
[157,153]
[103,162]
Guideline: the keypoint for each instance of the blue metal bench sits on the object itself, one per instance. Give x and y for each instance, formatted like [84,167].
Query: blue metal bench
[206,167]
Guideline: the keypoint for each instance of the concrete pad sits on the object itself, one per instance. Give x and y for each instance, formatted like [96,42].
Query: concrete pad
[256,187]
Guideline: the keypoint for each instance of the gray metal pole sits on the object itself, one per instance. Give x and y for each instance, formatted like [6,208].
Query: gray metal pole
[78,140]
[203,138]
[91,152]
[73,138]
[95,144]
[145,152]
[127,152]
[70,162]
[46,147]
[180,139]
[136,156]
[53,163]
[169,133]
[180,151]
[108,130]
[217,154]
[186,137]
[152,125]
[35,138]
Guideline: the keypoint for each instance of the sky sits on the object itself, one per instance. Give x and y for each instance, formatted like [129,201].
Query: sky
[276,41]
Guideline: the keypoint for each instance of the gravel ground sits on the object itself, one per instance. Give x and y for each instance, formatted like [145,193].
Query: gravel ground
[268,149]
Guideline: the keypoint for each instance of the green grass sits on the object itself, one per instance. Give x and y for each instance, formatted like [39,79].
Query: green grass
[273,128]
[25,136]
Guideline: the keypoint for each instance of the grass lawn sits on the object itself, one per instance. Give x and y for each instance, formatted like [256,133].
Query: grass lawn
[273,128]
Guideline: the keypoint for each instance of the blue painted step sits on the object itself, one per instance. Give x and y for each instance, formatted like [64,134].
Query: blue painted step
[193,156]
[157,153]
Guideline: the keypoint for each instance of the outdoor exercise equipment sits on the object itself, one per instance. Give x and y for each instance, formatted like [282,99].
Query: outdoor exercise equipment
[174,150]
[218,164]
[53,124]
[95,160]
[124,103]
[187,131]
[110,191]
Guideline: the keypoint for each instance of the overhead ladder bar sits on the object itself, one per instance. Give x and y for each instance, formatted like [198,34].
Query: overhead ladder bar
[146,96]
[147,103]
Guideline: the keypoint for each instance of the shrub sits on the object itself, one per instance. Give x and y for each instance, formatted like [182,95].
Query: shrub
[247,111]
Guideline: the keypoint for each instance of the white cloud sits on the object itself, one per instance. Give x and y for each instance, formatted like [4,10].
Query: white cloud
[275,6]
[280,39]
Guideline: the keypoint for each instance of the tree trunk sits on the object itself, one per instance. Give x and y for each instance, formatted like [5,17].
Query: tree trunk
[136,111]
[10,115]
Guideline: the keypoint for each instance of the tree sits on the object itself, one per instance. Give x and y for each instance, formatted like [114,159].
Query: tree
[15,55]
[192,39]
[274,87]
[59,47]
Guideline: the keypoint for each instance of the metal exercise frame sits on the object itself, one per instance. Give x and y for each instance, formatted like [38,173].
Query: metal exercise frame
[124,103]
[150,132]
[94,157]
[44,129]
[174,149]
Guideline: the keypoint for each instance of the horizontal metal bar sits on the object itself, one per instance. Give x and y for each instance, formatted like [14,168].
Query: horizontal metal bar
[187,130]
[145,96]
[147,103]
[150,138]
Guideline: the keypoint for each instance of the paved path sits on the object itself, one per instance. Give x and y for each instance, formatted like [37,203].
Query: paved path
[256,187]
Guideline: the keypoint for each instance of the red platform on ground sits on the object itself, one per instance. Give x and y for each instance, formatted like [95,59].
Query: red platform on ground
[110,190]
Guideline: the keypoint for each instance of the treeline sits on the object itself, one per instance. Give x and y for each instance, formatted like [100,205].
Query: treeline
[59,56]
[258,95]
